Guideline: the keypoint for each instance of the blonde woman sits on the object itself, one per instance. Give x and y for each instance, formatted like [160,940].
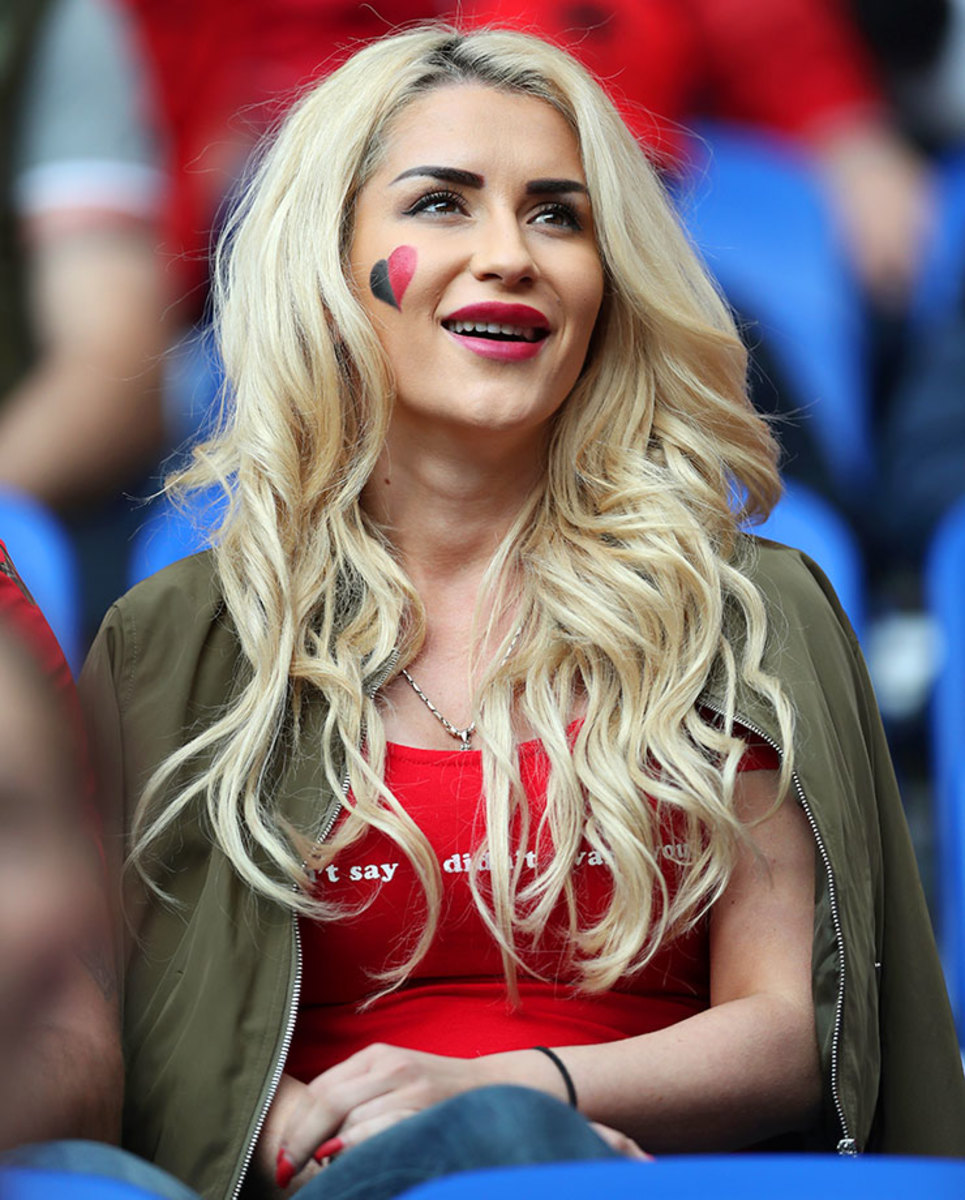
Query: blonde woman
[483,749]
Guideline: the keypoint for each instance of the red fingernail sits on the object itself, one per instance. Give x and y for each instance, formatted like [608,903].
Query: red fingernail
[284,1169]
[329,1149]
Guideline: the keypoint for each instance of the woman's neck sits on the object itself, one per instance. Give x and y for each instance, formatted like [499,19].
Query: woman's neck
[446,502]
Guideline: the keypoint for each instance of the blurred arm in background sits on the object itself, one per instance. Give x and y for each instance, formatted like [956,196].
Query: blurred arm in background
[802,67]
[84,416]
[60,1056]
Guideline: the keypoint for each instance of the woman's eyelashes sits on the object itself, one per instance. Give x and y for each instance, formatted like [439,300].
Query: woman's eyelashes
[551,213]
[437,203]
[558,212]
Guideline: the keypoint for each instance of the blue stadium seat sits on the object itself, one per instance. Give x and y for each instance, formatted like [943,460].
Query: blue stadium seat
[757,215]
[170,532]
[945,581]
[36,1183]
[44,558]
[806,521]
[193,378]
[723,1177]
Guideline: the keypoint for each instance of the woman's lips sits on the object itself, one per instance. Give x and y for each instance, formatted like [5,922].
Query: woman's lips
[498,312]
[507,332]
[508,351]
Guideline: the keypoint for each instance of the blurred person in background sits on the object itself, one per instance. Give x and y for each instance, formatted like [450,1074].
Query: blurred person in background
[919,49]
[81,293]
[60,1057]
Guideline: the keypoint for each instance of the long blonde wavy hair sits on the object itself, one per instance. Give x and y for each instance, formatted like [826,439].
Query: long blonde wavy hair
[624,568]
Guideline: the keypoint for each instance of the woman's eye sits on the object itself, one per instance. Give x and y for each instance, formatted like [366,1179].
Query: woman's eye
[441,203]
[558,214]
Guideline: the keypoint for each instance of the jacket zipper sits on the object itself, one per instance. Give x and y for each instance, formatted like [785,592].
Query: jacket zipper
[295,994]
[846,1143]
[280,1062]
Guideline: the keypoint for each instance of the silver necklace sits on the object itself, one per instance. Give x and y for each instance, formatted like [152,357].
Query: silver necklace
[461,735]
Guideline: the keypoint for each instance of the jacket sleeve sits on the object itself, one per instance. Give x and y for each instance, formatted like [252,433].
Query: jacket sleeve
[99,687]
[920,1106]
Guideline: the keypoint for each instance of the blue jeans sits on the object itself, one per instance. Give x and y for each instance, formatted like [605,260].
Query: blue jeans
[488,1127]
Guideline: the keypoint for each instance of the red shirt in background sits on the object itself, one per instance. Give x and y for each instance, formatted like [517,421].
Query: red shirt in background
[20,614]
[795,66]
[223,72]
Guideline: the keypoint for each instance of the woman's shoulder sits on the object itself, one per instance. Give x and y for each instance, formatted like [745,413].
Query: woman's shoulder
[171,628]
[186,587]
[790,581]
[810,646]
[804,615]
[165,662]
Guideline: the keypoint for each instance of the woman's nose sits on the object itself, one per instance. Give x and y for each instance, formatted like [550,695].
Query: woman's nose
[503,252]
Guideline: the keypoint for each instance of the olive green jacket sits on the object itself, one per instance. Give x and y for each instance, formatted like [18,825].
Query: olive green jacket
[212,986]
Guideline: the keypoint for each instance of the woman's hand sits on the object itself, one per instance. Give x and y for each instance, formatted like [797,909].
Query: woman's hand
[620,1142]
[374,1089]
[289,1095]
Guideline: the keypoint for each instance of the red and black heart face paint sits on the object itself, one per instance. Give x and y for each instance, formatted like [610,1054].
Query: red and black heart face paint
[390,276]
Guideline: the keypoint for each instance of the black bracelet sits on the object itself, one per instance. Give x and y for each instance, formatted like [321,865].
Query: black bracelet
[561,1067]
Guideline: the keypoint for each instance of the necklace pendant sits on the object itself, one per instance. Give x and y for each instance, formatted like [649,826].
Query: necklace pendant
[464,736]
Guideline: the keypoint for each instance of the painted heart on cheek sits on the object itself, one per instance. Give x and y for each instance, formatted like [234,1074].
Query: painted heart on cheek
[390,277]
[401,269]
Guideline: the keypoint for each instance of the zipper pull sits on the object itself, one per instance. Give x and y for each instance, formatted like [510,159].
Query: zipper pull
[848,1147]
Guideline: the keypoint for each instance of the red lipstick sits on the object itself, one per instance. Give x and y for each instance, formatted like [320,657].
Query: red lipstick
[521,335]
[493,312]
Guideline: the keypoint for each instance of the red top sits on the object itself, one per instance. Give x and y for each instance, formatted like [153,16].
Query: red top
[456,1003]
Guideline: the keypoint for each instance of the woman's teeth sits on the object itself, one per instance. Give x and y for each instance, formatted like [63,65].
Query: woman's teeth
[479,329]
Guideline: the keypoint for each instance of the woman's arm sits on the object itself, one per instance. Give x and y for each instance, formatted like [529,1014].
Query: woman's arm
[745,1069]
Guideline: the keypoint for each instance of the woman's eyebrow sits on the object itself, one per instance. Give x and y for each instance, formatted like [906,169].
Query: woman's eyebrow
[444,175]
[543,187]
[535,187]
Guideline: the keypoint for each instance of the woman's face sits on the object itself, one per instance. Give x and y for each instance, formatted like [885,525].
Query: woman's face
[474,256]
